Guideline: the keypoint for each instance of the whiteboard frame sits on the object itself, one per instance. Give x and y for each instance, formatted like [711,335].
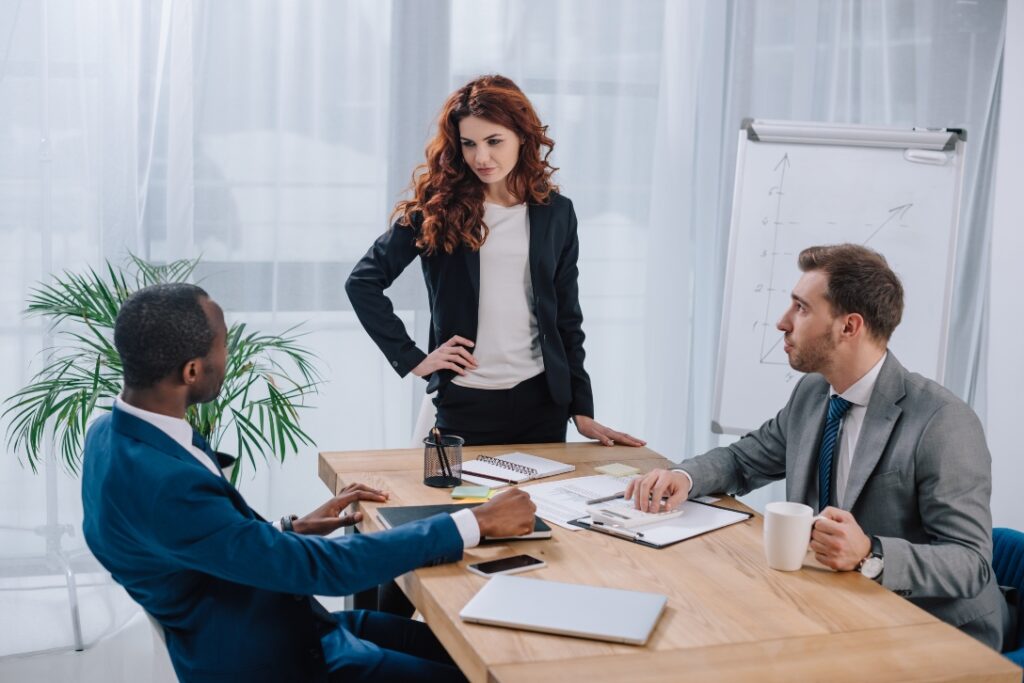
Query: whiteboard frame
[795,132]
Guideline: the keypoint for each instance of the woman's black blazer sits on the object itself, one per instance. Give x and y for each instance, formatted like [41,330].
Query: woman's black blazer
[453,288]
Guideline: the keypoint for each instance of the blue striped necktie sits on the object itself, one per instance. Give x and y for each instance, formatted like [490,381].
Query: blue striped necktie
[837,407]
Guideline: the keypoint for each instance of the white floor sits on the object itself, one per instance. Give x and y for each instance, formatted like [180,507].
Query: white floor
[132,653]
[121,646]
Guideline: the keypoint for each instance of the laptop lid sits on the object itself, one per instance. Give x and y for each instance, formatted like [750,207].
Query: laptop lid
[570,609]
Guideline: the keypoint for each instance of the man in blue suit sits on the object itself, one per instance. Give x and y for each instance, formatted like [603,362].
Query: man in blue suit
[231,590]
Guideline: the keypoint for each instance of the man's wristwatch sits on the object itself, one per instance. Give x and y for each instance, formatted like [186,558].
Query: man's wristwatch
[872,565]
[286,522]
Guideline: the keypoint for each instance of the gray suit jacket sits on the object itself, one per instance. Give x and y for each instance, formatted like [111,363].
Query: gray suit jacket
[920,481]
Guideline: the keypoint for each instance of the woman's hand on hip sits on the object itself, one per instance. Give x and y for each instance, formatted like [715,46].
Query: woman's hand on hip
[592,429]
[452,355]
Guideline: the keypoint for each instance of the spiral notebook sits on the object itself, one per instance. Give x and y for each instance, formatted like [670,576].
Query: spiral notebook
[511,468]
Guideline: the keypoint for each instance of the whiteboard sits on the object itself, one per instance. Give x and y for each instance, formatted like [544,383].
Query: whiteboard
[802,184]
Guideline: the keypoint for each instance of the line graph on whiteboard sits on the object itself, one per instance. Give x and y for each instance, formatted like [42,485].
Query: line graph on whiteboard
[786,238]
[830,189]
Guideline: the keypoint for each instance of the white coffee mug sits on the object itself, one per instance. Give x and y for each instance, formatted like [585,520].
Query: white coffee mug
[787,533]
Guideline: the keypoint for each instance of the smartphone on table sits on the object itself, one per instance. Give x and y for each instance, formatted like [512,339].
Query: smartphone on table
[507,565]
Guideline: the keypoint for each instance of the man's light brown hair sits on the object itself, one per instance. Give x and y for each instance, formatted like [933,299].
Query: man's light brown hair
[859,281]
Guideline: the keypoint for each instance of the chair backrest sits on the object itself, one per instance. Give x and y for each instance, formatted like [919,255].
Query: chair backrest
[1008,563]
[1008,557]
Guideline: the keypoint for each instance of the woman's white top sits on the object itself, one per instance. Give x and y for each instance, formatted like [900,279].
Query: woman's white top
[507,340]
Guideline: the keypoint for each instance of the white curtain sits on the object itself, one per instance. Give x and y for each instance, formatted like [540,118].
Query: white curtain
[272,139]
[899,63]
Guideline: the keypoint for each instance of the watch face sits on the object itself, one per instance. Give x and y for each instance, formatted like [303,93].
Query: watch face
[872,567]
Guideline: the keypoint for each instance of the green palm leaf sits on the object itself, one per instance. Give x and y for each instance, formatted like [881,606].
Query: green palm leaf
[267,379]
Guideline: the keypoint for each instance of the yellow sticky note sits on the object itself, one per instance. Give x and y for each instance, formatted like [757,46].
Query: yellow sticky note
[471,492]
[617,469]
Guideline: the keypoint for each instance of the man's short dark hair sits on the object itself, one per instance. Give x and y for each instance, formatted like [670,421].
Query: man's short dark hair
[859,281]
[158,329]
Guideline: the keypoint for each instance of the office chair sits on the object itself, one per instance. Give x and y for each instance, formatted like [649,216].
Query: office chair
[1008,563]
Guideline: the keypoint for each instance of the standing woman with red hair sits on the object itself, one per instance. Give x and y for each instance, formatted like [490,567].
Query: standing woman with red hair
[498,248]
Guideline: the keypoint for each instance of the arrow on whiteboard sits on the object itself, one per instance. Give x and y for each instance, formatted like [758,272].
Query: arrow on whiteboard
[783,161]
[895,212]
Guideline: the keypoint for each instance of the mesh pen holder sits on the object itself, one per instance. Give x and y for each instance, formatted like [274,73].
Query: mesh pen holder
[442,467]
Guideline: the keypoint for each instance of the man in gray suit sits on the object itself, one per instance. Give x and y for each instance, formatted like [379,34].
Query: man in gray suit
[895,463]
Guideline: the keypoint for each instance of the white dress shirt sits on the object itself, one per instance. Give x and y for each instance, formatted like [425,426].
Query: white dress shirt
[507,348]
[181,432]
[859,394]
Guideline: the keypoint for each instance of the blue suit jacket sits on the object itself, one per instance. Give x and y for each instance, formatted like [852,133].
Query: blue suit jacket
[231,591]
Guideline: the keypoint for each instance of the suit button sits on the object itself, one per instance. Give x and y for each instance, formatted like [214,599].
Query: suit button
[394,363]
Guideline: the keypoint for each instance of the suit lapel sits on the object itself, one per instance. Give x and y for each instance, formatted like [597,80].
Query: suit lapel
[140,430]
[540,216]
[879,421]
[803,479]
[473,267]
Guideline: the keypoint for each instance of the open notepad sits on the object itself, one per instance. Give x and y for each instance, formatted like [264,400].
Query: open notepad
[511,468]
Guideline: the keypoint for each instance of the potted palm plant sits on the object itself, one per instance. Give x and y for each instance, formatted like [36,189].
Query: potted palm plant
[267,376]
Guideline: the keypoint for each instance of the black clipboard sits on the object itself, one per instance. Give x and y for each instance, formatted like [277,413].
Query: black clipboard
[701,520]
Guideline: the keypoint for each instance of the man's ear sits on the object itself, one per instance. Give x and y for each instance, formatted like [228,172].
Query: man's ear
[852,325]
[191,372]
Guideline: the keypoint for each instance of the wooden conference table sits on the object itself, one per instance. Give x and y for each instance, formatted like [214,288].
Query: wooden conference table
[728,616]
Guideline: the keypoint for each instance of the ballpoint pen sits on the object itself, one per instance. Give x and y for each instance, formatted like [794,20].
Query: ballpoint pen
[616,530]
[446,468]
[605,499]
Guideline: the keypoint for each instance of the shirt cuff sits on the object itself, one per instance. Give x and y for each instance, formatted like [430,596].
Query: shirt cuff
[469,529]
[687,476]
[276,525]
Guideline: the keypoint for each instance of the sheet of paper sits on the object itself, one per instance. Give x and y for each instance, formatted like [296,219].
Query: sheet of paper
[561,501]
[695,519]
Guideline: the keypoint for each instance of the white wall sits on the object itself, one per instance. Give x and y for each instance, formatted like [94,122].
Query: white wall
[1006,285]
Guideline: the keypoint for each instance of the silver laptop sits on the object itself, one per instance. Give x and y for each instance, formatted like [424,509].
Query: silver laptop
[568,609]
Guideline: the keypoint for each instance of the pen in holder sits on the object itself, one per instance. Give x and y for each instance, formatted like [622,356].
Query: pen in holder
[442,459]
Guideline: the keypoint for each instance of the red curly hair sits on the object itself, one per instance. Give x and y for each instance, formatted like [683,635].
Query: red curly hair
[447,194]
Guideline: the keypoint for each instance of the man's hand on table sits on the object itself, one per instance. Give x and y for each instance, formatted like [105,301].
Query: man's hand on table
[648,490]
[507,514]
[329,517]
